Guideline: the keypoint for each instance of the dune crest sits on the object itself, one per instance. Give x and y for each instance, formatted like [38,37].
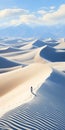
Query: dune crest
[32,84]
[18,82]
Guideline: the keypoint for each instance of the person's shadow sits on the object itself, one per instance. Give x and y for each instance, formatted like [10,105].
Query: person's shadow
[32,91]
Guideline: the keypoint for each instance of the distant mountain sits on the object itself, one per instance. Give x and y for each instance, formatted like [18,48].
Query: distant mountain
[26,31]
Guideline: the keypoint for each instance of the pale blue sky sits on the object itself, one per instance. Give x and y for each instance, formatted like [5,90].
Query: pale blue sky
[30,4]
[30,16]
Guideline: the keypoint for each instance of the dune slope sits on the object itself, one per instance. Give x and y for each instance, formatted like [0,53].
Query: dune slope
[32,91]
[52,55]
[5,63]
[45,111]
[17,83]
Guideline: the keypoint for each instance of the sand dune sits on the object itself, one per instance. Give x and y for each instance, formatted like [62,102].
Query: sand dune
[18,81]
[20,46]
[9,49]
[11,40]
[59,66]
[3,70]
[39,43]
[51,42]
[3,47]
[61,44]
[38,57]
[52,54]
[46,111]
[24,57]
[5,63]
[36,63]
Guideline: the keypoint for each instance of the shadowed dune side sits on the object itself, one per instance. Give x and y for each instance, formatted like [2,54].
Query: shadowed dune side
[52,54]
[9,49]
[5,63]
[18,109]
[39,43]
[51,42]
[5,70]
[45,111]
[38,58]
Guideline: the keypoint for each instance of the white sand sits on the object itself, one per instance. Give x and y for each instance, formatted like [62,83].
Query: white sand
[15,84]
[15,90]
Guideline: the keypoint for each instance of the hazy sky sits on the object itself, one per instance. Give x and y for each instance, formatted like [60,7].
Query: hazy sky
[32,13]
[30,4]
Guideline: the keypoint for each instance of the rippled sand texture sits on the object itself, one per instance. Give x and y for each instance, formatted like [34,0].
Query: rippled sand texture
[40,64]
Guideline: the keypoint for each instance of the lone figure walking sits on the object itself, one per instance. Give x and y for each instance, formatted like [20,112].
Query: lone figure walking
[31,89]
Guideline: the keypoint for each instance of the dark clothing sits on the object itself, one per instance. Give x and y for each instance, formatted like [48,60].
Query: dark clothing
[31,89]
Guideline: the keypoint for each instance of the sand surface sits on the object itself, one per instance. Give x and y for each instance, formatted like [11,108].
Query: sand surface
[36,63]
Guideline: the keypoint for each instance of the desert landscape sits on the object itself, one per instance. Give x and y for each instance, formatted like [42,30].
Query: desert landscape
[32,84]
[32,65]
